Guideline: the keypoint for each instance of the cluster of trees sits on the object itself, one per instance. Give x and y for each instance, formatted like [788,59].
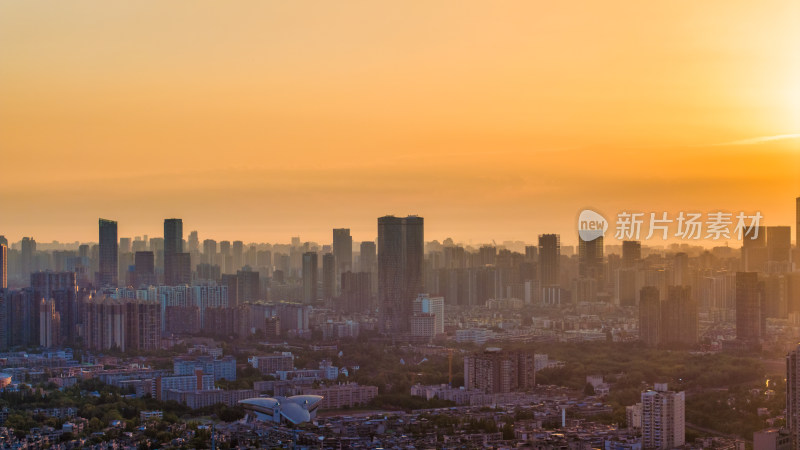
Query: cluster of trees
[641,365]
[100,404]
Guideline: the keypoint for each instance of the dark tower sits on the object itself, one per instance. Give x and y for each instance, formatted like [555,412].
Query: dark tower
[109,253]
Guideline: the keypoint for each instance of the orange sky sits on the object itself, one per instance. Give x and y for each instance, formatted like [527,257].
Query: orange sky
[259,120]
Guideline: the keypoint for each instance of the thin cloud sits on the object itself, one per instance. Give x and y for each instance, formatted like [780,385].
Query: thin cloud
[760,140]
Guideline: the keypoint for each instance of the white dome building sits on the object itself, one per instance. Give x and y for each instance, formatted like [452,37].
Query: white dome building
[295,410]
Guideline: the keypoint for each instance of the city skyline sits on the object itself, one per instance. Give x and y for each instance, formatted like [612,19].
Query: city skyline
[361,224]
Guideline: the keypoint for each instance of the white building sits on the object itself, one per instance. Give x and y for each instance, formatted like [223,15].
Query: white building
[663,418]
[431,310]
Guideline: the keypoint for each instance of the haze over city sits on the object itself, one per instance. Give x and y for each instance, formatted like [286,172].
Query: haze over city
[371,224]
[261,120]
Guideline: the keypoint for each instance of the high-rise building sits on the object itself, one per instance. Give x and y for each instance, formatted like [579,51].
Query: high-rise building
[310,274]
[750,320]
[649,316]
[49,324]
[193,242]
[27,250]
[356,292]
[663,418]
[173,236]
[755,253]
[368,260]
[679,317]
[144,272]
[225,259]
[549,259]
[401,249]
[631,253]
[425,305]
[797,223]
[779,244]
[237,253]
[249,289]
[177,264]
[109,253]
[328,276]
[793,395]
[210,251]
[342,250]
[590,259]
[62,289]
[497,371]
[680,269]
[3,266]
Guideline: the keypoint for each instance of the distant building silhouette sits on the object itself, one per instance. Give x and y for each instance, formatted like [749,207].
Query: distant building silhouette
[356,294]
[679,317]
[650,316]
[109,252]
[3,266]
[590,259]
[310,277]
[401,249]
[342,250]
[177,264]
[210,251]
[750,317]
[631,253]
[144,272]
[549,259]
[27,251]
[779,244]
[328,276]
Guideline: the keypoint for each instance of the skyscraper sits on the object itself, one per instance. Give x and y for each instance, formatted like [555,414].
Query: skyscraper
[649,316]
[343,250]
[310,274]
[750,320]
[328,276]
[356,288]
[144,272]
[779,244]
[173,236]
[679,317]
[62,289]
[549,256]
[238,255]
[109,253]
[590,259]
[249,286]
[368,256]
[3,266]
[401,249]
[26,256]
[177,264]
[210,251]
[631,253]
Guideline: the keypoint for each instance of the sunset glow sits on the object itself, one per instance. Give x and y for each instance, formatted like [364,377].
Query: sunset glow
[261,120]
